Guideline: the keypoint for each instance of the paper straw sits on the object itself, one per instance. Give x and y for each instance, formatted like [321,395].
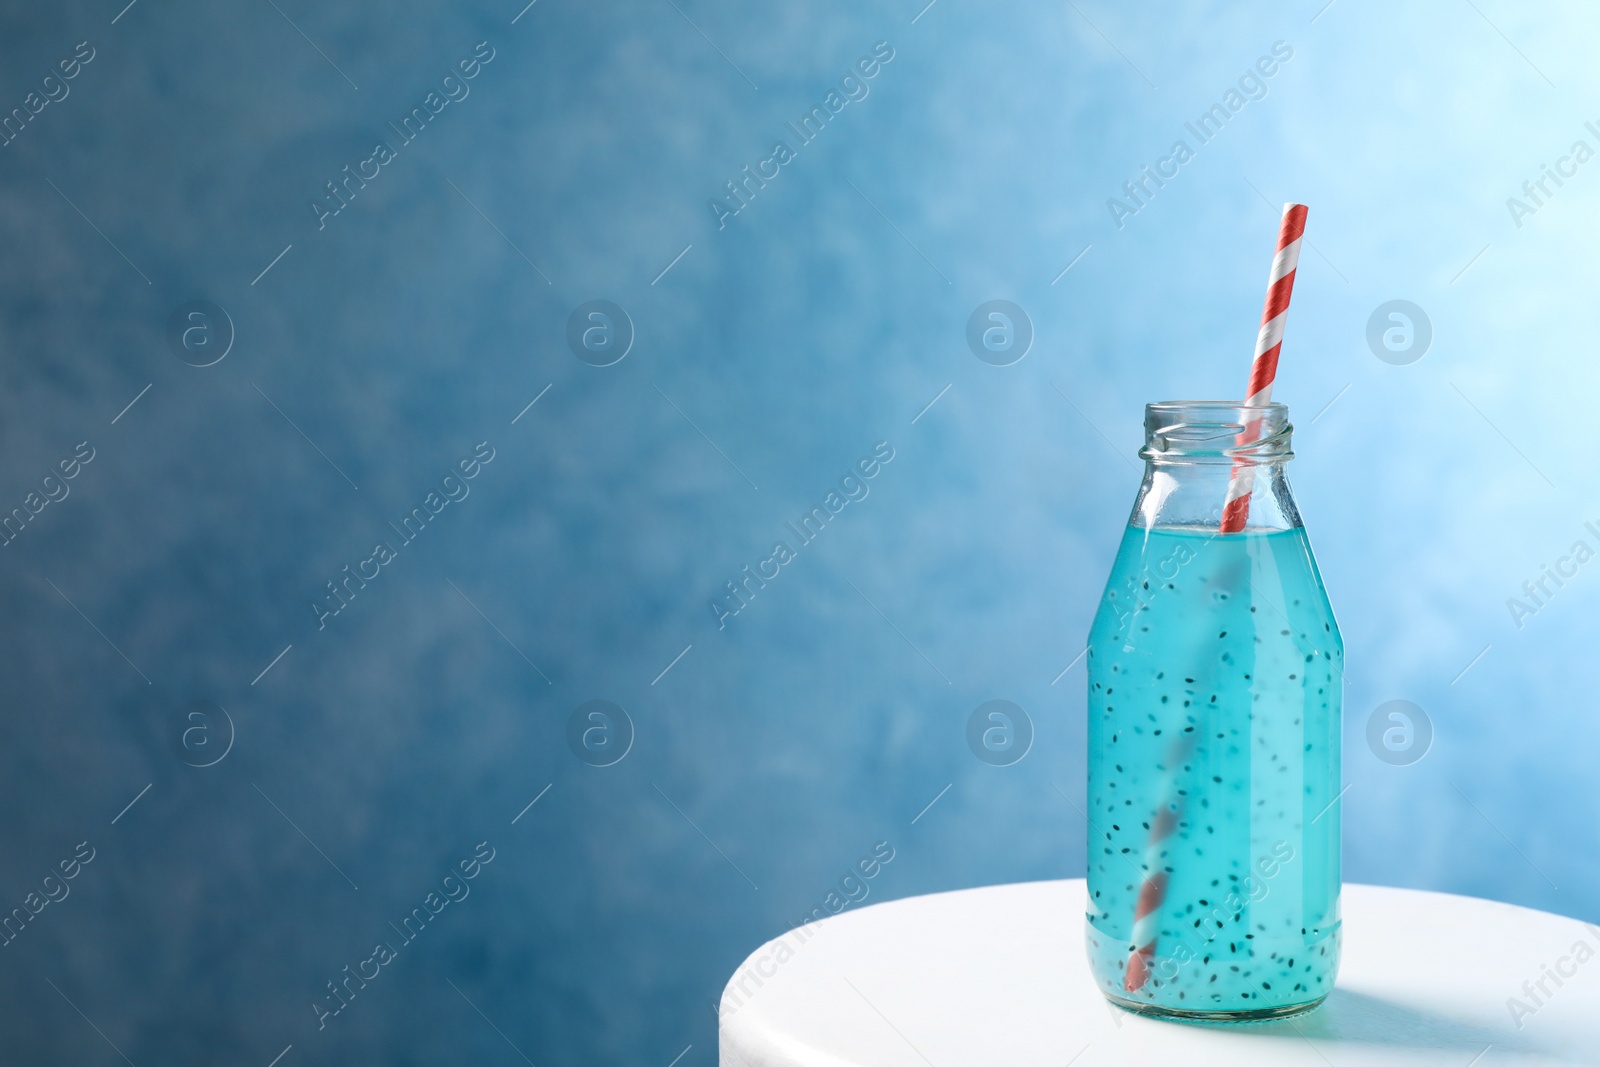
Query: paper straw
[1269,342]
[1236,509]
[1153,889]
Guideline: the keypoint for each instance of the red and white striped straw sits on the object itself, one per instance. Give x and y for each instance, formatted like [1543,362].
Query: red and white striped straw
[1236,509]
[1269,342]
[1153,889]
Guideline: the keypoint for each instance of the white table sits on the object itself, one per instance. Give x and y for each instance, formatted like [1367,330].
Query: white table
[997,976]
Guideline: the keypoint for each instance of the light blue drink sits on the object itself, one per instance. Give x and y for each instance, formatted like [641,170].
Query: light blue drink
[1214,695]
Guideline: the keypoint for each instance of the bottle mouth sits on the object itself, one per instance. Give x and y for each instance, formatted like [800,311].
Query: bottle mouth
[1198,431]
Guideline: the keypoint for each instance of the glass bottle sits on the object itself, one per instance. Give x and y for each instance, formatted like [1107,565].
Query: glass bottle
[1215,684]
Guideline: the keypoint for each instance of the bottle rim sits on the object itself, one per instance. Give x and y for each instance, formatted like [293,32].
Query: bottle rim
[1199,431]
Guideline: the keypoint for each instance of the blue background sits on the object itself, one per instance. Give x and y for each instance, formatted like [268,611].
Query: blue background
[822,319]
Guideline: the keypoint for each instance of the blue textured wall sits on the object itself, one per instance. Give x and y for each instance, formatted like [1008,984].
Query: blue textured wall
[392,337]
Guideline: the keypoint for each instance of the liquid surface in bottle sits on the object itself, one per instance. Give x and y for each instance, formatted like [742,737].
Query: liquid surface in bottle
[1214,696]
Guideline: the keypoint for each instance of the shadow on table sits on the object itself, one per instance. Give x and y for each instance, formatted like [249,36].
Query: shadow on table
[1360,1018]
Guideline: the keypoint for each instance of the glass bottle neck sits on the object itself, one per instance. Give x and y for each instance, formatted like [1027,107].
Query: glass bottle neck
[1198,451]
[1192,495]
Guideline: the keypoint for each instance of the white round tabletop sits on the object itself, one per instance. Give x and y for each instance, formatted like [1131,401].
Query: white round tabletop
[998,976]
